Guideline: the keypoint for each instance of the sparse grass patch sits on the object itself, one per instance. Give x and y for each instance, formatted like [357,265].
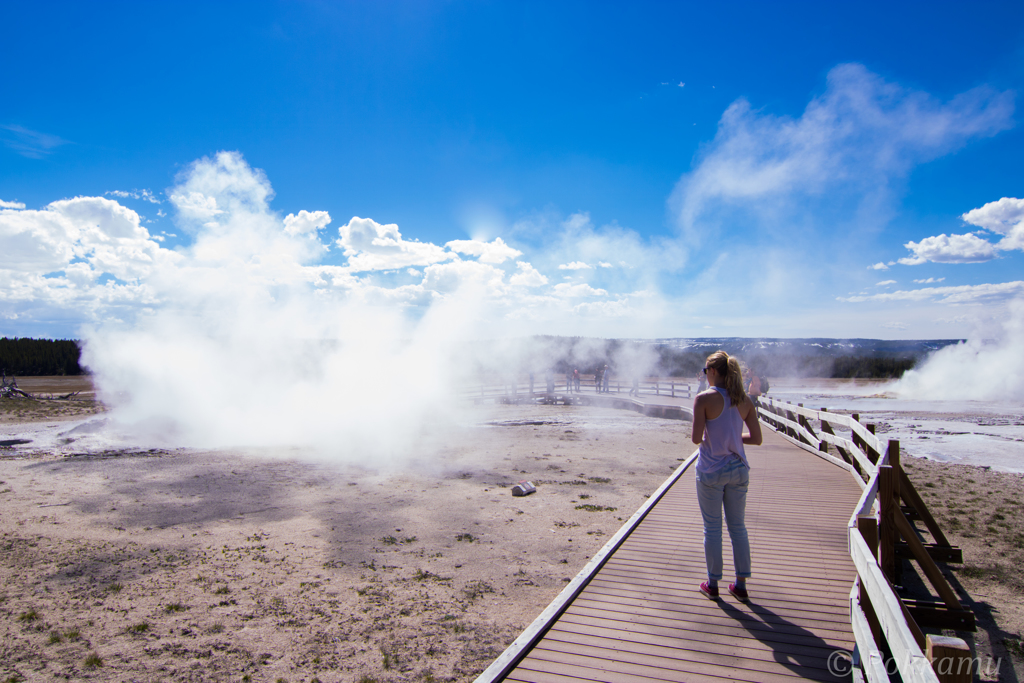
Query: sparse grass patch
[1015,647]
[29,616]
[72,634]
[175,607]
[114,587]
[389,540]
[222,590]
[93,661]
[216,628]
[468,538]
[584,496]
[474,589]
[600,480]
[595,508]
[424,575]
[140,627]
[55,638]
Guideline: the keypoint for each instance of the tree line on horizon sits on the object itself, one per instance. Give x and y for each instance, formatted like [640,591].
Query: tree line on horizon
[32,357]
[676,363]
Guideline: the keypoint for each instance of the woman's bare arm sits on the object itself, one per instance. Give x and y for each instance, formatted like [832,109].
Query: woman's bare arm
[749,414]
[699,418]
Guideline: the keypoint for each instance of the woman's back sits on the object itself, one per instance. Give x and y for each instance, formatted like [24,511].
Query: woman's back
[723,435]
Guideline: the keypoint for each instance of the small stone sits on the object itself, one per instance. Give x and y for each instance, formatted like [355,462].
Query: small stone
[523,488]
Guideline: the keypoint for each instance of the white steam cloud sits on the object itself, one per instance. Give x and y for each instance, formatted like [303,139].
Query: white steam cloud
[988,367]
[245,350]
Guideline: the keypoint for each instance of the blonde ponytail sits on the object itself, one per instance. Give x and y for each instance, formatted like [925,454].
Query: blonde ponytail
[729,367]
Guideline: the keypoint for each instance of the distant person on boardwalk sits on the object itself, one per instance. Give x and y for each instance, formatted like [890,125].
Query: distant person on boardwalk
[607,375]
[702,381]
[576,378]
[635,391]
[723,473]
[597,379]
[754,388]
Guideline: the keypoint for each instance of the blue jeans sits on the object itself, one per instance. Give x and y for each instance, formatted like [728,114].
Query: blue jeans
[726,488]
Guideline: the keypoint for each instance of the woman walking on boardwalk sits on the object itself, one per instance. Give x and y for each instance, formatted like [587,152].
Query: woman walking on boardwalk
[722,469]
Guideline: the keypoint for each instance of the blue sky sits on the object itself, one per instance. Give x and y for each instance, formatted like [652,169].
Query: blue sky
[663,169]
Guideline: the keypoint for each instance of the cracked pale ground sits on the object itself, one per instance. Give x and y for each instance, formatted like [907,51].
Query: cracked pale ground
[186,565]
[211,566]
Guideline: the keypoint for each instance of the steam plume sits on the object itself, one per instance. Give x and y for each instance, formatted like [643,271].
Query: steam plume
[982,369]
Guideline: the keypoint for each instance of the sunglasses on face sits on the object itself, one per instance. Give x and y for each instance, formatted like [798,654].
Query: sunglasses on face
[705,371]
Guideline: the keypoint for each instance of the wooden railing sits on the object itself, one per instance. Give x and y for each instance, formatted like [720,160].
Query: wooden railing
[887,627]
[673,387]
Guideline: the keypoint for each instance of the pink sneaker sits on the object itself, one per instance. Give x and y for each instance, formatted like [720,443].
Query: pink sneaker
[708,591]
[738,592]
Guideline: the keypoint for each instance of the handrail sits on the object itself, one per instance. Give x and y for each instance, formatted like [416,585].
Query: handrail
[845,421]
[872,595]
[675,387]
[876,612]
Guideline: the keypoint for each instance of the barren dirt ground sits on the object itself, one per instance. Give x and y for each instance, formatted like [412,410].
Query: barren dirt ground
[187,565]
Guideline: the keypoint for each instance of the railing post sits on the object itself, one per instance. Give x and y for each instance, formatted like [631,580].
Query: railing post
[894,463]
[673,389]
[873,455]
[868,528]
[887,522]
[951,659]
[822,444]
[854,437]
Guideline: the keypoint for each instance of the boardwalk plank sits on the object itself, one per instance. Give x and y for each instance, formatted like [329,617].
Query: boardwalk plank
[642,619]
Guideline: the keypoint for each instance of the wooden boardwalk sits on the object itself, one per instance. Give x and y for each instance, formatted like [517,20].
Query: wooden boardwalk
[641,617]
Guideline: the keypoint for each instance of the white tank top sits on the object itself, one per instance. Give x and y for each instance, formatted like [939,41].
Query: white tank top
[723,438]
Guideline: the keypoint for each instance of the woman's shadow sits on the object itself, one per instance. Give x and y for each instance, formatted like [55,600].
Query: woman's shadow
[794,647]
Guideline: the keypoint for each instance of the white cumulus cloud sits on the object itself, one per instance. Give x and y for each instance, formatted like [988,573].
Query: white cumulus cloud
[528,276]
[943,248]
[570,291]
[1003,217]
[306,222]
[488,252]
[962,294]
[372,246]
[575,265]
[11,205]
